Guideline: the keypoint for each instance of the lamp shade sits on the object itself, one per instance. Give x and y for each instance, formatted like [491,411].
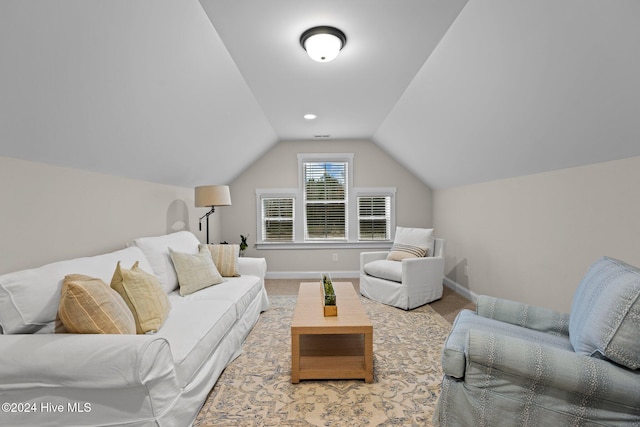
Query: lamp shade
[323,43]
[213,195]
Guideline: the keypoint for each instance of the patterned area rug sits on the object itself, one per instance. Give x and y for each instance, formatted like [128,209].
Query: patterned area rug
[256,389]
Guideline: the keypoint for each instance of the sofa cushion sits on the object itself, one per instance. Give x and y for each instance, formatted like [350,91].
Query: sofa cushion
[240,291]
[194,329]
[144,296]
[195,272]
[225,257]
[411,243]
[384,269]
[605,313]
[89,306]
[29,299]
[156,249]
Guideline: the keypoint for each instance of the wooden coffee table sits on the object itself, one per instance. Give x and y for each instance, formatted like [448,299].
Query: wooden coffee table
[334,347]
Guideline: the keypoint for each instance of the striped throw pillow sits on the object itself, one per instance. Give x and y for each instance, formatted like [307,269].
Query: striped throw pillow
[225,257]
[401,251]
[144,296]
[90,306]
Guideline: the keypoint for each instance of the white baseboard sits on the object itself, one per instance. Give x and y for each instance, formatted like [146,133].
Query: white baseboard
[461,290]
[311,274]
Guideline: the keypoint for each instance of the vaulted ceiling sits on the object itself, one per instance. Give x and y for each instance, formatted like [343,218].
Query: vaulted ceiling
[188,93]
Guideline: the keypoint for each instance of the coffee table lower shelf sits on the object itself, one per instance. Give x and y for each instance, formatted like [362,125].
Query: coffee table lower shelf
[331,356]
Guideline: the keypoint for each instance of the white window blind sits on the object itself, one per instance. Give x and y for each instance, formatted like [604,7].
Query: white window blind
[374,218]
[277,219]
[325,200]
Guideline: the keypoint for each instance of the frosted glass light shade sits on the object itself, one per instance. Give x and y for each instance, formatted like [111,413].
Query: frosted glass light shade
[323,43]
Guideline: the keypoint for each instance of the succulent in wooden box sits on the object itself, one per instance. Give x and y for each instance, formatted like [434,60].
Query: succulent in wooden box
[327,290]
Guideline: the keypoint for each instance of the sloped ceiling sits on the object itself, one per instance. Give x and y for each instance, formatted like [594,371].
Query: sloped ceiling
[521,87]
[186,93]
[137,88]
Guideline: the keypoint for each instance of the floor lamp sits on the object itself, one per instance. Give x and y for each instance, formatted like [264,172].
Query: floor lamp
[211,196]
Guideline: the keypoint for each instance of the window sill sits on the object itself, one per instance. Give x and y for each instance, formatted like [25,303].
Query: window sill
[325,245]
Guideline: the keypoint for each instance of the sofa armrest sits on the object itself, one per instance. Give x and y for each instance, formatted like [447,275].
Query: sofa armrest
[84,361]
[367,257]
[422,270]
[528,316]
[492,358]
[252,266]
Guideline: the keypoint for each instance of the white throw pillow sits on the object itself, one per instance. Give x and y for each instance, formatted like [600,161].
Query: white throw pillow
[411,243]
[29,299]
[156,250]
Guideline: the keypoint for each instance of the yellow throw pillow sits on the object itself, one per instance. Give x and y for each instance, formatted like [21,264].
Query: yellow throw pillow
[195,272]
[225,257]
[144,296]
[90,306]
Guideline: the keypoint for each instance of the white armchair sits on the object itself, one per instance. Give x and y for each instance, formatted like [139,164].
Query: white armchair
[405,284]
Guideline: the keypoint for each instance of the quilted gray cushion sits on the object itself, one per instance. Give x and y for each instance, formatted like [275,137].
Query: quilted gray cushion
[605,314]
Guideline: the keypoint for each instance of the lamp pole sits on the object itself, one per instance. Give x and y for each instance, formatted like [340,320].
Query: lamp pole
[213,209]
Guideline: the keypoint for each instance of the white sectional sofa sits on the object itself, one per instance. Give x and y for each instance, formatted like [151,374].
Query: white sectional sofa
[161,379]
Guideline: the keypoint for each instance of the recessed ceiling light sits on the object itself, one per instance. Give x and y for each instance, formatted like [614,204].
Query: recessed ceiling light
[310,116]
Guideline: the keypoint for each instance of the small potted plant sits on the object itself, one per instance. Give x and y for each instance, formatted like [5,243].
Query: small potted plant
[243,243]
[328,296]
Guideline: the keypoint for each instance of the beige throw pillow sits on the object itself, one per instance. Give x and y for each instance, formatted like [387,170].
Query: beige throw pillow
[144,296]
[195,272]
[225,257]
[90,306]
[399,252]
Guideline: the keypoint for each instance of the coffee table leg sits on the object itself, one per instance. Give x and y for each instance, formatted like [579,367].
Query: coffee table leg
[368,357]
[295,358]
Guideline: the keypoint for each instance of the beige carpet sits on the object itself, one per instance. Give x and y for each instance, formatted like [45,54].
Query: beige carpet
[256,389]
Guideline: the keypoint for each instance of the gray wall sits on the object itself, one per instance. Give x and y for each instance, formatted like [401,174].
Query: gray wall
[277,168]
[532,238]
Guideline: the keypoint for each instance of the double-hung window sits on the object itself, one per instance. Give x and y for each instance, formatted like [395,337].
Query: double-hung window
[325,200]
[277,219]
[374,217]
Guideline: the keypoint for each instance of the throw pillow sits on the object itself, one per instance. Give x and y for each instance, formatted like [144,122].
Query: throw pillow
[90,306]
[605,314]
[411,243]
[195,272]
[225,257]
[144,296]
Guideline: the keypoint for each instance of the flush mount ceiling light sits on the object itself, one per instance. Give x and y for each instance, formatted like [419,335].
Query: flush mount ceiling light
[323,43]
[310,116]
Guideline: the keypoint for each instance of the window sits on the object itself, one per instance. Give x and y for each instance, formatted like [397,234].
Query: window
[374,218]
[276,215]
[325,200]
[334,213]
[277,219]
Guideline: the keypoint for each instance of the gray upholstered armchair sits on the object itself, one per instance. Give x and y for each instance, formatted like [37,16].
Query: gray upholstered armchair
[513,364]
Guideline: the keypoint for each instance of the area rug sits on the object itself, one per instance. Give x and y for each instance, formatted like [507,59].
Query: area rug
[256,390]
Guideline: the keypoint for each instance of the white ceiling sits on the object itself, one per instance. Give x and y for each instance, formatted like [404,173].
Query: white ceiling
[189,93]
